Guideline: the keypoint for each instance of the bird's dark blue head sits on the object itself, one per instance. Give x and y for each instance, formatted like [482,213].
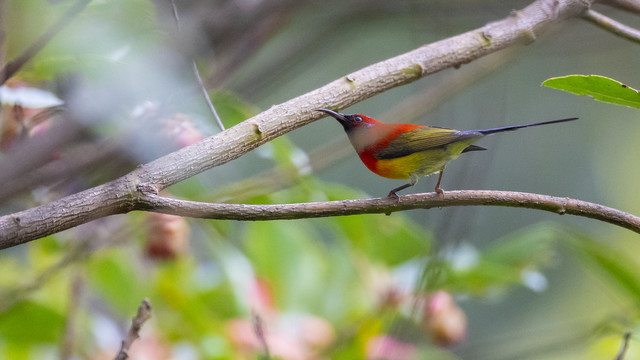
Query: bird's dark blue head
[350,121]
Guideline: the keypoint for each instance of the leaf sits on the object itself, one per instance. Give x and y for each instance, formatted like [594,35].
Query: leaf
[618,267]
[289,256]
[231,107]
[500,266]
[598,87]
[114,278]
[391,240]
[31,322]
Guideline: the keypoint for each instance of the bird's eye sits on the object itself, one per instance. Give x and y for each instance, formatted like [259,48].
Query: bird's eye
[357,118]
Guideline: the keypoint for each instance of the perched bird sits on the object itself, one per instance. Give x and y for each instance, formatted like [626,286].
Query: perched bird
[407,151]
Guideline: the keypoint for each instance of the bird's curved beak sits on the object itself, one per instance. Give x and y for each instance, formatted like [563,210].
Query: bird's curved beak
[342,118]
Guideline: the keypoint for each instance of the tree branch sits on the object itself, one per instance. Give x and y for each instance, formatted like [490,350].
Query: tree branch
[119,196]
[242,212]
[632,6]
[623,346]
[613,26]
[13,66]
[196,72]
[144,314]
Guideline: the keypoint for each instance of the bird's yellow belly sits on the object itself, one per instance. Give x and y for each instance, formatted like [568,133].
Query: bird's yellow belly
[421,164]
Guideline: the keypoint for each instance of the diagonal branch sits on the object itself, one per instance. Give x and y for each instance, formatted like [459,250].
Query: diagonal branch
[119,196]
[196,72]
[623,346]
[558,205]
[632,6]
[13,66]
[144,314]
[613,26]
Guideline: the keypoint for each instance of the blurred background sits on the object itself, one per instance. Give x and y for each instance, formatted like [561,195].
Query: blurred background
[116,88]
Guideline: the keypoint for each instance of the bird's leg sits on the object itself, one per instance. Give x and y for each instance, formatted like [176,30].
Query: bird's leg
[413,179]
[392,193]
[439,190]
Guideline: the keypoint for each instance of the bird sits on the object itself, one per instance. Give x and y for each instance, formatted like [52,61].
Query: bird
[408,151]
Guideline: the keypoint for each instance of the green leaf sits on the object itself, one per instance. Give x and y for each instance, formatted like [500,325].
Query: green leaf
[289,256]
[531,246]
[30,322]
[619,268]
[114,279]
[500,266]
[390,240]
[598,87]
[231,108]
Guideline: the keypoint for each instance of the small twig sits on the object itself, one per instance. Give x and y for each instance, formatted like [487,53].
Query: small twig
[623,346]
[2,32]
[144,314]
[206,95]
[175,14]
[632,6]
[258,328]
[612,25]
[196,72]
[13,66]
[77,287]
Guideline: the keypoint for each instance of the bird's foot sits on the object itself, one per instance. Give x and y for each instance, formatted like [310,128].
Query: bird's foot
[393,196]
[439,191]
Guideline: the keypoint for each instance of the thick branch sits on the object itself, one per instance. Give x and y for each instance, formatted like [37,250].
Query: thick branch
[117,196]
[558,205]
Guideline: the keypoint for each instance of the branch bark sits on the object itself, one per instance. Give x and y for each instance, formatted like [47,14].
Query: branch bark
[613,26]
[128,193]
[144,314]
[558,205]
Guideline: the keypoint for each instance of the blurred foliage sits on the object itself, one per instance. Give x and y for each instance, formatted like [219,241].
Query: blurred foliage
[357,287]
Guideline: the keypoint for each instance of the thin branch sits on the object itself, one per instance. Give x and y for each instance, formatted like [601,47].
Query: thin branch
[212,108]
[70,331]
[613,26]
[75,162]
[623,346]
[259,330]
[196,72]
[2,32]
[632,6]
[13,66]
[144,314]
[242,212]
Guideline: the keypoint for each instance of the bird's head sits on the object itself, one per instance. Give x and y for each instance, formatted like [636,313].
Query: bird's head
[351,121]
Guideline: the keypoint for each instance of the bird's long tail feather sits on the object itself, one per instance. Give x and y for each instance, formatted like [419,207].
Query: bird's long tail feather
[516,127]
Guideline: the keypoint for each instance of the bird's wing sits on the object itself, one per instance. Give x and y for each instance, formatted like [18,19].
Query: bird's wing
[423,139]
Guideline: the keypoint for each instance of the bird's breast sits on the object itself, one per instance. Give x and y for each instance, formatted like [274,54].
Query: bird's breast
[421,164]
